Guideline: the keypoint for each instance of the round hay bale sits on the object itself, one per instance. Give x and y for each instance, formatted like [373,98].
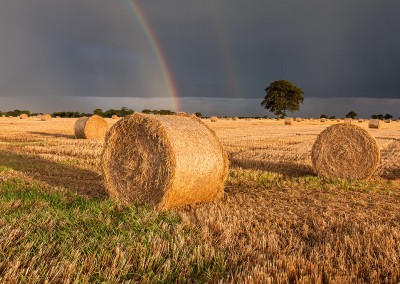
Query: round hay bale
[45,117]
[93,127]
[288,121]
[323,119]
[299,119]
[345,151]
[388,120]
[165,161]
[114,116]
[23,116]
[338,120]
[360,121]
[58,116]
[235,118]
[375,123]
[214,119]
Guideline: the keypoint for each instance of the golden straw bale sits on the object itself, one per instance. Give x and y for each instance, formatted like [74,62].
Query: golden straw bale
[323,119]
[288,121]
[45,117]
[165,161]
[235,118]
[388,120]
[214,119]
[345,151]
[114,116]
[299,119]
[93,127]
[23,116]
[374,123]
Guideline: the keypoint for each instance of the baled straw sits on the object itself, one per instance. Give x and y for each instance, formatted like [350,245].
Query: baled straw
[164,161]
[214,119]
[23,116]
[323,119]
[114,116]
[345,151]
[93,127]
[299,119]
[45,117]
[375,123]
[288,121]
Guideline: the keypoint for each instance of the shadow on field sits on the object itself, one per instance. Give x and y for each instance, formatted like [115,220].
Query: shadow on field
[285,168]
[56,135]
[84,182]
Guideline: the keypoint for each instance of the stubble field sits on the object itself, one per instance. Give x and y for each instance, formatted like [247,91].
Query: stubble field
[278,221]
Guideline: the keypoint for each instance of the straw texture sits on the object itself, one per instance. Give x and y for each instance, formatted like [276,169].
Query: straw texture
[45,117]
[374,123]
[345,151]
[23,116]
[164,161]
[288,121]
[93,127]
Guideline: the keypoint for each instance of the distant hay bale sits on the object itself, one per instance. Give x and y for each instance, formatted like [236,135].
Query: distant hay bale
[164,161]
[288,121]
[299,119]
[58,116]
[348,120]
[360,120]
[388,120]
[345,151]
[23,116]
[323,119]
[45,117]
[214,119]
[235,118]
[338,120]
[93,127]
[375,123]
[114,116]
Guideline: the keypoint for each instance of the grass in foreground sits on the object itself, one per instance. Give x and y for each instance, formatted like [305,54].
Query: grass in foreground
[50,236]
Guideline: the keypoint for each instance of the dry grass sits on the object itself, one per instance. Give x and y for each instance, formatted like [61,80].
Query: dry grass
[278,222]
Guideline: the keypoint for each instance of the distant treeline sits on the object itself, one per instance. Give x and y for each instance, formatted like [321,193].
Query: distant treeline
[124,111]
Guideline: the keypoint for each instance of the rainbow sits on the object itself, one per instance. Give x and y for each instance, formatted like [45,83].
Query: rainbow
[159,55]
[225,50]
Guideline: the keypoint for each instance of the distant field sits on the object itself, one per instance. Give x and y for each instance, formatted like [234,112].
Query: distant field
[278,222]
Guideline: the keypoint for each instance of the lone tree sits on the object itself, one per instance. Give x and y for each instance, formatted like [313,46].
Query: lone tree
[351,115]
[281,96]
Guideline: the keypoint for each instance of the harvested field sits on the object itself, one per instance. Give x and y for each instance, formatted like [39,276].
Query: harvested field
[278,221]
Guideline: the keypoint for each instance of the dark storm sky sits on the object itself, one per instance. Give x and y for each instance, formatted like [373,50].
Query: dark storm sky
[347,52]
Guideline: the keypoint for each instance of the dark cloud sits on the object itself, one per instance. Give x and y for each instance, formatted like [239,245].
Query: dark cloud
[221,49]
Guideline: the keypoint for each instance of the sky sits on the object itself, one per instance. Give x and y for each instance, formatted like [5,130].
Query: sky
[211,56]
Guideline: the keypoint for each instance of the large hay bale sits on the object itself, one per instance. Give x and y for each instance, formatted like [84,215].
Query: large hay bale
[164,161]
[214,119]
[345,151]
[45,117]
[94,127]
[23,116]
[288,121]
[374,123]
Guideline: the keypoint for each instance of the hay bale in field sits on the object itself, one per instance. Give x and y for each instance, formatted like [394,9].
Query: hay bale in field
[93,127]
[235,118]
[338,120]
[58,116]
[23,116]
[114,116]
[388,120]
[360,121]
[323,119]
[345,151]
[348,120]
[299,119]
[214,119]
[164,161]
[45,117]
[288,121]
[374,123]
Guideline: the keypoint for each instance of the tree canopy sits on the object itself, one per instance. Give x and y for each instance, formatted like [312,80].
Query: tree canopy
[282,96]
